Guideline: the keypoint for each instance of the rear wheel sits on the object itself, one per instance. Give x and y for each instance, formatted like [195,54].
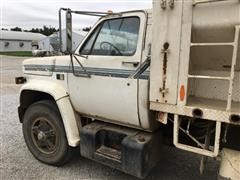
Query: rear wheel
[44,133]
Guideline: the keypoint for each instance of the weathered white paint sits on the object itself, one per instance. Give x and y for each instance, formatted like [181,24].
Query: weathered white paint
[60,94]
[125,101]
[110,98]
[166,29]
[208,59]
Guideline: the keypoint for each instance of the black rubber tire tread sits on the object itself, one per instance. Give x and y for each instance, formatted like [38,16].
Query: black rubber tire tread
[47,109]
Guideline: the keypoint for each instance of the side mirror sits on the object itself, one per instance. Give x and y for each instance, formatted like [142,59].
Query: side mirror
[68,31]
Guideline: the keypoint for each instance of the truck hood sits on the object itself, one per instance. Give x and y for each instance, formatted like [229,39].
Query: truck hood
[45,65]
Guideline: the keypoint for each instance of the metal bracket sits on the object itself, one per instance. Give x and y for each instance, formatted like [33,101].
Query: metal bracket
[164,4]
[171,4]
[85,74]
[69,23]
[141,69]
[201,149]
[163,90]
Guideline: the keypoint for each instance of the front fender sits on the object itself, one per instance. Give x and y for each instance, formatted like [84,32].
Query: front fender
[60,95]
[55,90]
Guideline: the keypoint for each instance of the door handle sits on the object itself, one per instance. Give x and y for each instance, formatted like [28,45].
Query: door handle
[134,63]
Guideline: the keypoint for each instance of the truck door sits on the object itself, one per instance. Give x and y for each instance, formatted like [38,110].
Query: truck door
[113,51]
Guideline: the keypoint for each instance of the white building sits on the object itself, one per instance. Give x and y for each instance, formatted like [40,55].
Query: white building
[51,43]
[19,41]
[77,37]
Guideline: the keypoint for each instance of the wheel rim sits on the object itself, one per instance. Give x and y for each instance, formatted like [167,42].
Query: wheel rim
[44,135]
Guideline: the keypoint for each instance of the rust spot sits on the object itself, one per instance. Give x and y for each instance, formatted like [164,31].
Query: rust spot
[141,138]
[182,93]
[164,51]
[161,115]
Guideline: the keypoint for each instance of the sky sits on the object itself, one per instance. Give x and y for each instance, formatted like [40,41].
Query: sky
[28,14]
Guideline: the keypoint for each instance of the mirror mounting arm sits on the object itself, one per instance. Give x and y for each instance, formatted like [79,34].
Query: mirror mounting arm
[69,25]
[85,72]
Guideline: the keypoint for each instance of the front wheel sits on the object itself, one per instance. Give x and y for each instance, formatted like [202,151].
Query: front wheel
[44,133]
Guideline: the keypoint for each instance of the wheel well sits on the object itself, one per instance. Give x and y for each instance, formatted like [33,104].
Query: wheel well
[29,97]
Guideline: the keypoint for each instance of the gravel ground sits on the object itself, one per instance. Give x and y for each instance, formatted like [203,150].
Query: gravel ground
[16,162]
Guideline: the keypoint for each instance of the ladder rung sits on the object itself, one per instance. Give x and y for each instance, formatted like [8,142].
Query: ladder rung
[208,77]
[213,44]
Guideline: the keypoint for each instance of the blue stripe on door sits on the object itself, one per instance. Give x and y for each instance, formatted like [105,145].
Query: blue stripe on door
[121,73]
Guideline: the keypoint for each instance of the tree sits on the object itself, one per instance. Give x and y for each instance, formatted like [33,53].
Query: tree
[16,29]
[44,30]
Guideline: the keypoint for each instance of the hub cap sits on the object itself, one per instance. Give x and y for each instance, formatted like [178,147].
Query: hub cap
[44,135]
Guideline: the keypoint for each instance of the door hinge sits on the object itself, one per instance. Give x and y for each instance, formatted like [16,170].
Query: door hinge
[164,4]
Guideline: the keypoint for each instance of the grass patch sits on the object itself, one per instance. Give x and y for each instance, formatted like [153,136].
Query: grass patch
[17,53]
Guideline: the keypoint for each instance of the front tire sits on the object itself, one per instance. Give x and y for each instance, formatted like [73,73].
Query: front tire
[44,133]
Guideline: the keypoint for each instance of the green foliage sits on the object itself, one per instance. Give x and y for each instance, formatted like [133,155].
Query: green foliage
[16,29]
[44,30]
[17,53]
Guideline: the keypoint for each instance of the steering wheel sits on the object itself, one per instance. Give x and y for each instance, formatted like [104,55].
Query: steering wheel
[105,42]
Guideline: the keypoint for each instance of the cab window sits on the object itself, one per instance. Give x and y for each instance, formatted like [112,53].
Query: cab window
[115,37]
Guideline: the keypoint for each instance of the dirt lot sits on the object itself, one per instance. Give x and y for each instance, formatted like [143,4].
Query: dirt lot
[16,162]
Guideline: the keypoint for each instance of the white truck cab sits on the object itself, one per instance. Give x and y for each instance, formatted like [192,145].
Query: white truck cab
[113,50]
[139,79]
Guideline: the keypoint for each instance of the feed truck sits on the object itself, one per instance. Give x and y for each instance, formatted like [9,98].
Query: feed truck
[138,81]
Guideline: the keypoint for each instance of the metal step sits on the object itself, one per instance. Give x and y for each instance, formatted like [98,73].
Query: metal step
[109,153]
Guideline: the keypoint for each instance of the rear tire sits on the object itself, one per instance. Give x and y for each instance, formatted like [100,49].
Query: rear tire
[45,135]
